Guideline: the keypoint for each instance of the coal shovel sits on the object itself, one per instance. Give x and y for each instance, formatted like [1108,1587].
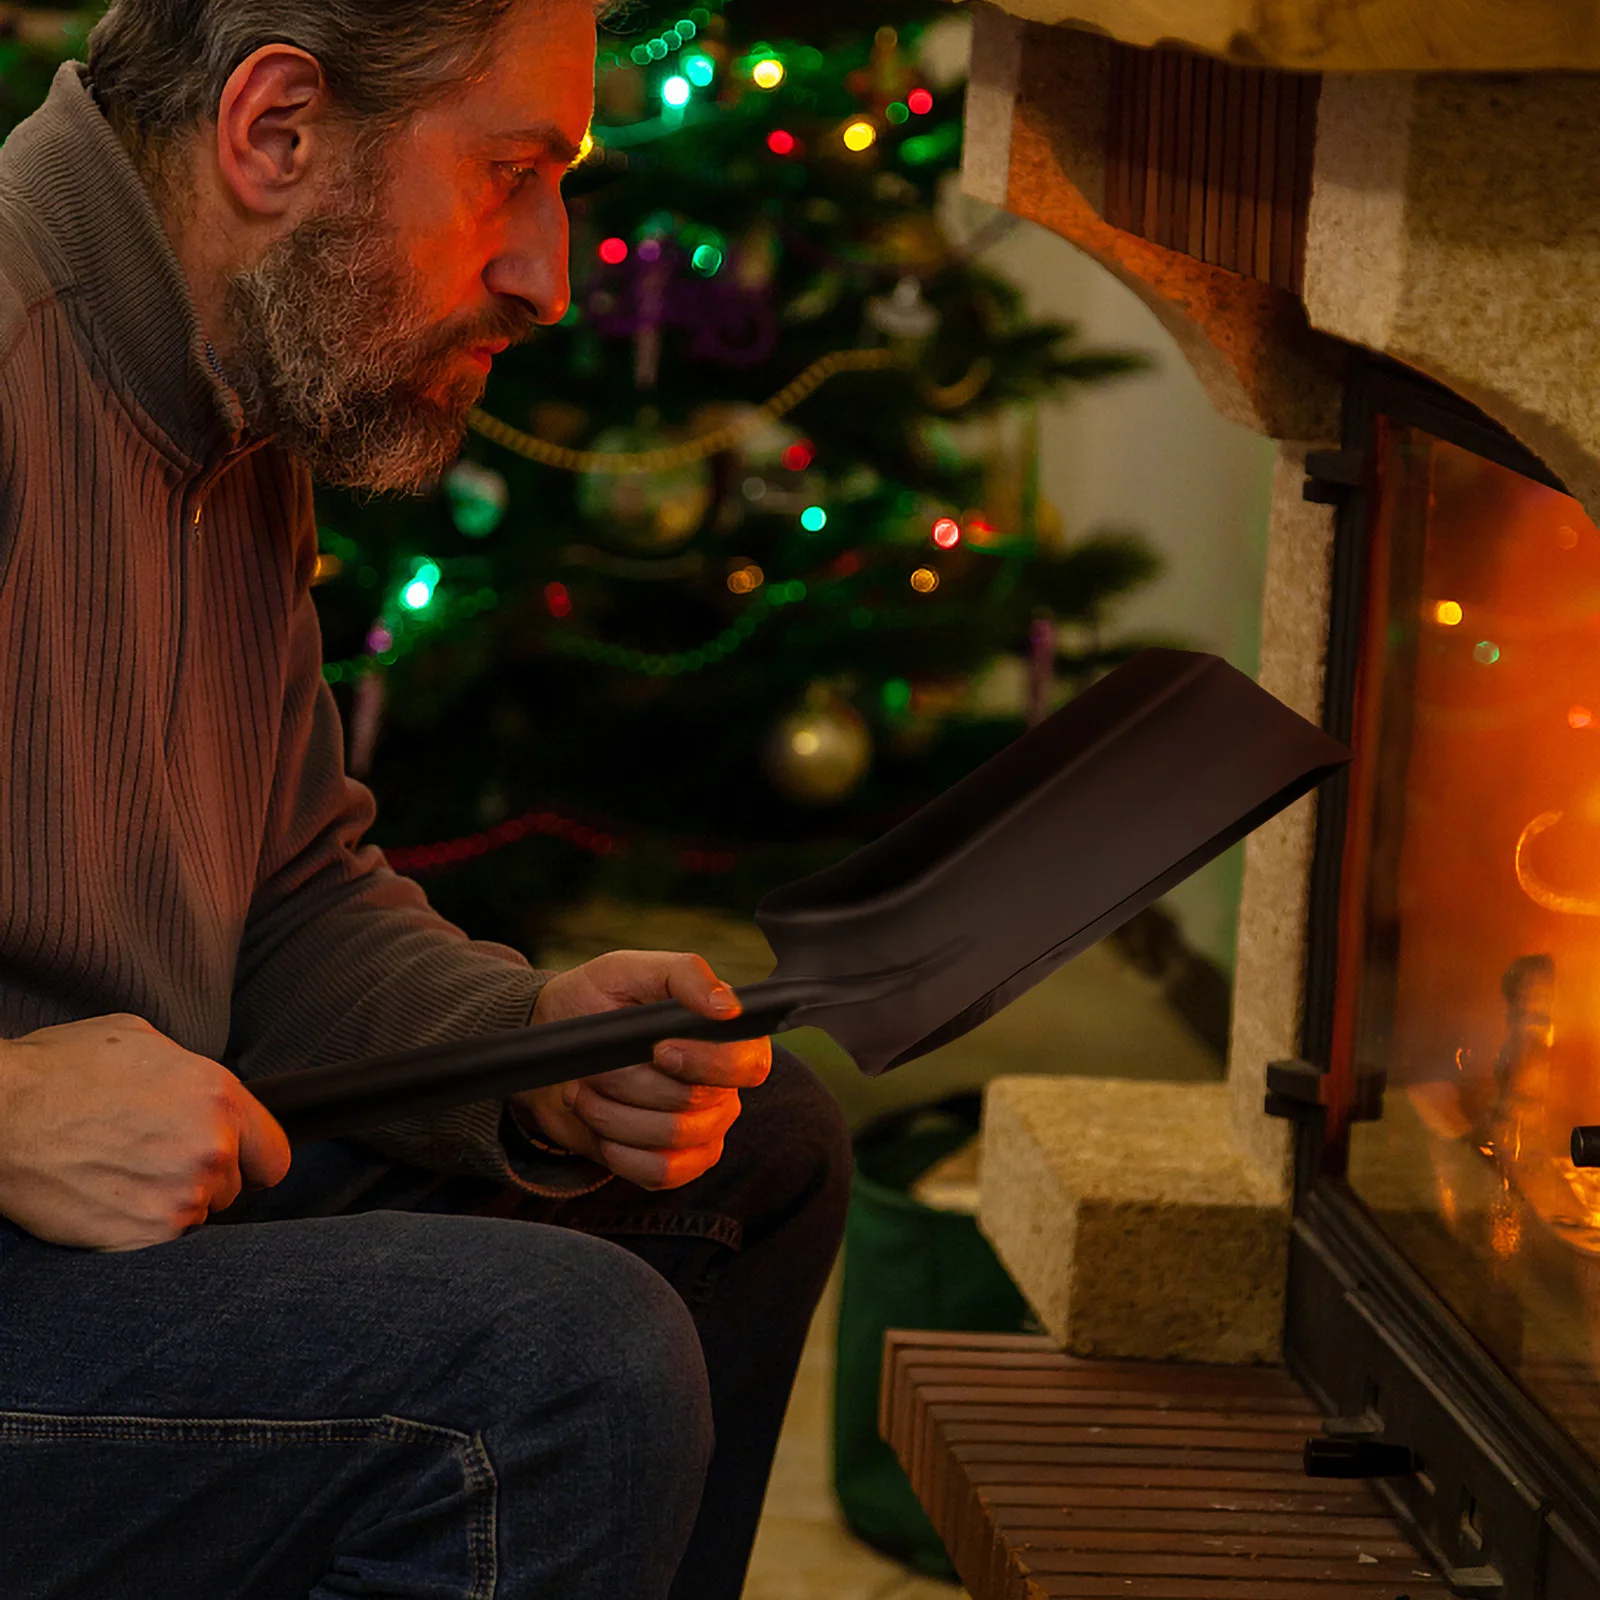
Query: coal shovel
[948,917]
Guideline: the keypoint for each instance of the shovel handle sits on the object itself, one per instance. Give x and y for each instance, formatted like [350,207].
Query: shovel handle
[326,1102]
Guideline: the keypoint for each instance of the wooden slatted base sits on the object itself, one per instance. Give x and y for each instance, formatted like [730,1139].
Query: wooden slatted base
[1051,1478]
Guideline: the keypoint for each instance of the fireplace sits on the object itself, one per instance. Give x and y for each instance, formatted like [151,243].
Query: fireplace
[1444,1278]
[1388,266]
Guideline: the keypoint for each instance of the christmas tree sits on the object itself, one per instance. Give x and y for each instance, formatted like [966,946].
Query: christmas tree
[713,593]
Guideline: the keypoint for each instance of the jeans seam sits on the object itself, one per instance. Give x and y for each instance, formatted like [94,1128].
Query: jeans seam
[719,1229]
[469,1449]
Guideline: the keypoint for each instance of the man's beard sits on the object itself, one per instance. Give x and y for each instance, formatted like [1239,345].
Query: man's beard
[333,354]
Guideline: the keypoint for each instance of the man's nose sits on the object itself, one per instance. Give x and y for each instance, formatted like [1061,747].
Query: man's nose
[533,265]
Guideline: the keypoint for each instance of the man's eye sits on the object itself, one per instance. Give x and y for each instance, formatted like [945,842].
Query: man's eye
[517,173]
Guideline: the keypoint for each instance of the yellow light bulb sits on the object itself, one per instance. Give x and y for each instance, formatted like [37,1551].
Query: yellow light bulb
[860,136]
[1447,613]
[768,73]
[805,743]
[924,580]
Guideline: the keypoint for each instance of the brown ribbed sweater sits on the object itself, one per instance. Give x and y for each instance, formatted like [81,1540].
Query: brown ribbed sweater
[178,838]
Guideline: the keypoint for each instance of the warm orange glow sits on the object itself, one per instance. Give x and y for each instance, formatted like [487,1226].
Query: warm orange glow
[767,73]
[327,567]
[1447,613]
[746,579]
[1579,717]
[860,136]
[924,580]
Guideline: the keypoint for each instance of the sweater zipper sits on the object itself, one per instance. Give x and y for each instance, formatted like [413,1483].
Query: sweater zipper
[193,521]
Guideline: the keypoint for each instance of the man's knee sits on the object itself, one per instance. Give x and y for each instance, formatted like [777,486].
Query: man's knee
[796,1133]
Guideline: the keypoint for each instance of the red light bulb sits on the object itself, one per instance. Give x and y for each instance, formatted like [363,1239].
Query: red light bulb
[920,101]
[780,142]
[947,533]
[799,455]
[613,251]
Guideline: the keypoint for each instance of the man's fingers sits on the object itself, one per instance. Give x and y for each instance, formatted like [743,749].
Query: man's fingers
[651,1087]
[692,983]
[659,1169]
[642,1128]
[264,1153]
[741,1065]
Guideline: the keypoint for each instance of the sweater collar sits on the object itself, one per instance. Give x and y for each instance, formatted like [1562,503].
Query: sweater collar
[122,277]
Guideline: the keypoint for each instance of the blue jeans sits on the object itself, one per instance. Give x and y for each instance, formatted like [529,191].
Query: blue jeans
[375,1380]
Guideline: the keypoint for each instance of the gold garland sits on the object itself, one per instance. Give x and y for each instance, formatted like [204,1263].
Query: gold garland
[618,462]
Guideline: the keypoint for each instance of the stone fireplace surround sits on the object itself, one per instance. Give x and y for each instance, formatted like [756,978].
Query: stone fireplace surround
[1454,227]
[1451,230]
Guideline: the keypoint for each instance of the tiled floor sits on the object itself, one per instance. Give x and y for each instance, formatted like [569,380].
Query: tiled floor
[803,1550]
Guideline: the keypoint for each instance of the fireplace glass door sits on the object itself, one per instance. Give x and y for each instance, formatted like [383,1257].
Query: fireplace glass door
[1470,917]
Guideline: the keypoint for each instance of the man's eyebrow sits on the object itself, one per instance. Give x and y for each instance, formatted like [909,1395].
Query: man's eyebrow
[550,136]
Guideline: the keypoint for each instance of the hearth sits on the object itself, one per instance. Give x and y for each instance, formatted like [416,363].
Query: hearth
[1444,1281]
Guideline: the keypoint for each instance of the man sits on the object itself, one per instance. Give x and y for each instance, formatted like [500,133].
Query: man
[253,240]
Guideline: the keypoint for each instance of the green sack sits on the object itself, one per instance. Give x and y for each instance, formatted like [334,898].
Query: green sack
[906,1265]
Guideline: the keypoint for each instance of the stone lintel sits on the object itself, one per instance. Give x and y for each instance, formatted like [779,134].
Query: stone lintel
[1455,226]
[1348,35]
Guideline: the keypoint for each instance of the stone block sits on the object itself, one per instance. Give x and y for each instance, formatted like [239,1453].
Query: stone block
[1132,1221]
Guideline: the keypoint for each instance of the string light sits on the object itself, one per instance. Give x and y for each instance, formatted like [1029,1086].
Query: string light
[675,92]
[767,73]
[780,142]
[859,136]
[1486,652]
[746,579]
[947,533]
[813,519]
[557,601]
[919,101]
[896,111]
[924,580]
[1579,717]
[799,455]
[706,260]
[419,592]
[613,251]
[699,70]
[1447,613]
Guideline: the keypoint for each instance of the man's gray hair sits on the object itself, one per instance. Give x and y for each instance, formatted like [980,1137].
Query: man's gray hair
[159,66]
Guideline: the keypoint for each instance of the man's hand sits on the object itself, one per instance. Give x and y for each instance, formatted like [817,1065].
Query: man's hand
[658,1125]
[113,1137]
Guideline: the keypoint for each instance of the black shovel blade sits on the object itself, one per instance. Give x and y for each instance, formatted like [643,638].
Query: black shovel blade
[1057,840]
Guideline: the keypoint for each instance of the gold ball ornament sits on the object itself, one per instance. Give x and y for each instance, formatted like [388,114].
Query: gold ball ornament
[818,754]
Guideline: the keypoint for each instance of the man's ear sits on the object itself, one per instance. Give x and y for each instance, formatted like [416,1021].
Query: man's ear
[273,129]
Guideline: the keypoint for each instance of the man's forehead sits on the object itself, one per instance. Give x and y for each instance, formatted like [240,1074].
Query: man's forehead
[539,88]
